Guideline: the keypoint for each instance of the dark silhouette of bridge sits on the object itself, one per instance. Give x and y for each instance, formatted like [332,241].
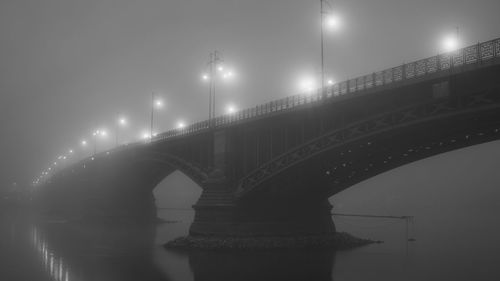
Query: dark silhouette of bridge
[270,169]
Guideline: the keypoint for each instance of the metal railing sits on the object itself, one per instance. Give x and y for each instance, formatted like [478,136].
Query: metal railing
[443,62]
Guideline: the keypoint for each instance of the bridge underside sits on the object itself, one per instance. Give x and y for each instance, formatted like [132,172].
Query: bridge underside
[294,201]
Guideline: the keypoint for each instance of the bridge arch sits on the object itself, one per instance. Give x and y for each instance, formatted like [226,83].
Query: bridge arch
[174,197]
[340,158]
[162,164]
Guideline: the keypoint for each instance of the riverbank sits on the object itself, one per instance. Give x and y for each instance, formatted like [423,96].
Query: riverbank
[338,241]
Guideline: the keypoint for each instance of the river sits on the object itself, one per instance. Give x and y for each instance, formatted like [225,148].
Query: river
[56,250]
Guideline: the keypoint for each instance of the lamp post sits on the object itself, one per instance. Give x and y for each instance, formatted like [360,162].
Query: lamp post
[215,67]
[155,103]
[94,139]
[96,134]
[333,22]
[121,122]
[322,47]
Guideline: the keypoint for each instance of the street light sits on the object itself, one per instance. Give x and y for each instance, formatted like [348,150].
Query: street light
[230,109]
[155,103]
[451,42]
[216,69]
[145,135]
[228,75]
[121,122]
[180,125]
[307,84]
[98,133]
[333,22]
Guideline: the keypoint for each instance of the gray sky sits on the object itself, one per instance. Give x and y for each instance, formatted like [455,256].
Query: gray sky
[68,67]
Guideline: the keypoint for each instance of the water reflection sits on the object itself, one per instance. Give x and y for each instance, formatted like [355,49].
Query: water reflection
[263,266]
[74,252]
[53,264]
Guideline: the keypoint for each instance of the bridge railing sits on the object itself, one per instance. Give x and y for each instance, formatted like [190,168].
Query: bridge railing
[443,62]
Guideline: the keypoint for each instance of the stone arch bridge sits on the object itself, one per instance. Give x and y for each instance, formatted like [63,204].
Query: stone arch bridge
[269,170]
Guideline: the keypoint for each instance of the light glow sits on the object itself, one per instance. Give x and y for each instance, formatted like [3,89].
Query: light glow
[228,75]
[180,125]
[230,109]
[450,43]
[145,135]
[158,103]
[307,84]
[122,121]
[333,22]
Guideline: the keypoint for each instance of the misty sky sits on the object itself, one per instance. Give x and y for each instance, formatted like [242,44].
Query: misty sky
[68,67]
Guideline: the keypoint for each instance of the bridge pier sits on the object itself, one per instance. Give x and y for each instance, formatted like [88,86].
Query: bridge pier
[245,219]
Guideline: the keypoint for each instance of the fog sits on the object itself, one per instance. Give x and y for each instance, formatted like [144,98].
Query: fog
[70,67]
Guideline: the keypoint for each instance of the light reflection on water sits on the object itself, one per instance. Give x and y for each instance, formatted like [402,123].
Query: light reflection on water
[66,252]
[54,265]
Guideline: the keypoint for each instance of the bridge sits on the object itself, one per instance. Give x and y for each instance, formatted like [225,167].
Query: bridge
[270,169]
